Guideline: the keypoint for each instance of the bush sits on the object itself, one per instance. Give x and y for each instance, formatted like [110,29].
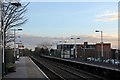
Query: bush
[10,67]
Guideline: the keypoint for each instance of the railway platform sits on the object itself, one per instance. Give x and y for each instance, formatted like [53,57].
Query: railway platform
[26,69]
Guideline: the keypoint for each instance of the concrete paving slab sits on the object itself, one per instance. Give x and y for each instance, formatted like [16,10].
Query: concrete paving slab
[26,68]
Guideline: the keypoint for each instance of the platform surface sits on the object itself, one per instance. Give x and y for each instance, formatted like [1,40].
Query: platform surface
[26,68]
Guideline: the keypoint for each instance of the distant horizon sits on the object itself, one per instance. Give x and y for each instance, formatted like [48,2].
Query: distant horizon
[31,41]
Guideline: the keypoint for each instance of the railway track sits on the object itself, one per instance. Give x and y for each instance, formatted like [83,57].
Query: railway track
[59,71]
[51,74]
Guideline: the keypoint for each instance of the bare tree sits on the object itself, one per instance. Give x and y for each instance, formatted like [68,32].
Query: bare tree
[13,15]
[45,45]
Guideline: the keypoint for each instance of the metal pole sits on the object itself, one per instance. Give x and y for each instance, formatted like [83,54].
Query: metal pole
[15,58]
[75,50]
[2,31]
[14,46]
[102,45]
[74,47]
[84,52]
[61,53]
[1,41]
[62,47]
[63,50]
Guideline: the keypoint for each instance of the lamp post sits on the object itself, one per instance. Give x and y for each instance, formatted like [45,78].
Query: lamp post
[0,47]
[3,33]
[0,42]
[61,49]
[18,50]
[75,46]
[15,42]
[101,43]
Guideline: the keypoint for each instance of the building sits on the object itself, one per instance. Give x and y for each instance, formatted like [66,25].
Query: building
[115,54]
[66,50]
[84,50]
[106,50]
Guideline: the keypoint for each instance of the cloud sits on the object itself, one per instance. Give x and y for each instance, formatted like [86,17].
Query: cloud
[33,41]
[107,16]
